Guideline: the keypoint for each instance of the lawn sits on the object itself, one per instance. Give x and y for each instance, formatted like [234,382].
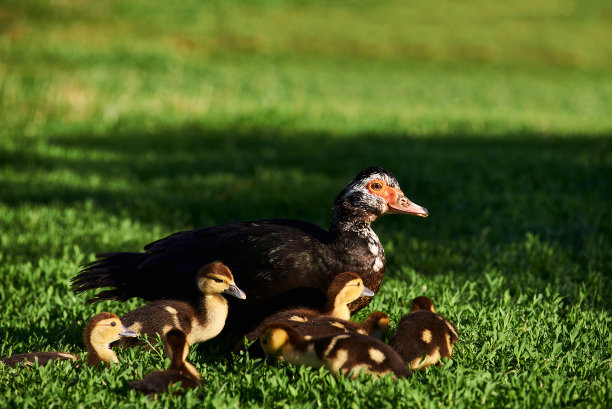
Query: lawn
[122,122]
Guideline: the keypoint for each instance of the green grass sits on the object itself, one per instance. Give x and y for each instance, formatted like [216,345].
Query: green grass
[122,122]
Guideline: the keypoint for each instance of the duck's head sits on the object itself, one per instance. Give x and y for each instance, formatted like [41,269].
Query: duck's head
[422,303]
[104,328]
[375,192]
[347,287]
[216,278]
[277,336]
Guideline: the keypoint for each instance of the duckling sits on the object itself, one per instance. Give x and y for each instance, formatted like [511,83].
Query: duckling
[341,352]
[199,322]
[101,330]
[180,370]
[344,289]
[422,336]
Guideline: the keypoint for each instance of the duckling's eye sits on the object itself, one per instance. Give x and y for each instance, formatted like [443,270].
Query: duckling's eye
[217,280]
[376,186]
[113,324]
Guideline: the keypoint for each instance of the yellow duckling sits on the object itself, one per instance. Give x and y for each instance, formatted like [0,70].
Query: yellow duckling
[101,330]
[199,322]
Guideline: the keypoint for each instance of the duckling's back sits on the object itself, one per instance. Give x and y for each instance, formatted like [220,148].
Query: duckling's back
[310,323]
[423,337]
[356,352]
[43,358]
[160,317]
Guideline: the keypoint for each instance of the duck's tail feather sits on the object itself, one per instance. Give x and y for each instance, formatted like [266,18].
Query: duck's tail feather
[116,270]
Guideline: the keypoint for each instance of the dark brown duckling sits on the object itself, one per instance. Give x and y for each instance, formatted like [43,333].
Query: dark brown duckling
[101,330]
[422,336]
[344,289]
[341,352]
[199,322]
[180,370]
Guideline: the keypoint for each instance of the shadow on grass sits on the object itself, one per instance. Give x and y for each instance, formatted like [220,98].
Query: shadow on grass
[485,195]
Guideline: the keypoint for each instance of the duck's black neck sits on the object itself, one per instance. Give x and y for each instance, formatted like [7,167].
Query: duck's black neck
[350,220]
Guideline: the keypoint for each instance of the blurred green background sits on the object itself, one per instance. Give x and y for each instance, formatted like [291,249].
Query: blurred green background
[123,121]
[415,67]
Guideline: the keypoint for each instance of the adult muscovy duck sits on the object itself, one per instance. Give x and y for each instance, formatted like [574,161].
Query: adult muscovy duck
[278,263]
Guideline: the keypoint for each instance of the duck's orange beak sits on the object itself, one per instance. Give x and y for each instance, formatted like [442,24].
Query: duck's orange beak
[403,205]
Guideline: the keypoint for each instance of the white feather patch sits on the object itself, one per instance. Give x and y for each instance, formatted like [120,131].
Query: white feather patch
[378,264]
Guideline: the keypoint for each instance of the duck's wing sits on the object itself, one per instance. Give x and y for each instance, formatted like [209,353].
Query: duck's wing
[266,258]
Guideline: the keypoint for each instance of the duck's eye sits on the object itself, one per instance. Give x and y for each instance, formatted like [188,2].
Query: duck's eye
[113,324]
[217,280]
[376,186]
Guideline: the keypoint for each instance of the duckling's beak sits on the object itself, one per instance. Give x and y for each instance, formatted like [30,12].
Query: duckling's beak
[236,292]
[403,205]
[127,332]
[367,292]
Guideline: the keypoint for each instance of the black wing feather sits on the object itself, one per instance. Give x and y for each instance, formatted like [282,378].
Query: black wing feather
[276,252]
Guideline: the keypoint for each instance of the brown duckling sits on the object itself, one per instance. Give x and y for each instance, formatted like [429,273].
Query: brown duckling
[422,336]
[101,330]
[180,370]
[341,352]
[198,322]
[344,289]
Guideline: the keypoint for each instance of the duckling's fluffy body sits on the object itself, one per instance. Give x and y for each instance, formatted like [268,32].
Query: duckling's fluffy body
[198,322]
[180,370]
[423,337]
[43,358]
[347,353]
[376,325]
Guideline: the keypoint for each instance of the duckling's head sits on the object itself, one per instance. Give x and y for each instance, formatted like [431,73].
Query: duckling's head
[177,347]
[276,336]
[177,350]
[104,328]
[216,278]
[422,303]
[346,288]
[381,322]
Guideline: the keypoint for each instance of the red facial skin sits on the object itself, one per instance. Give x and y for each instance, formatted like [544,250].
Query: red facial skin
[395,199]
